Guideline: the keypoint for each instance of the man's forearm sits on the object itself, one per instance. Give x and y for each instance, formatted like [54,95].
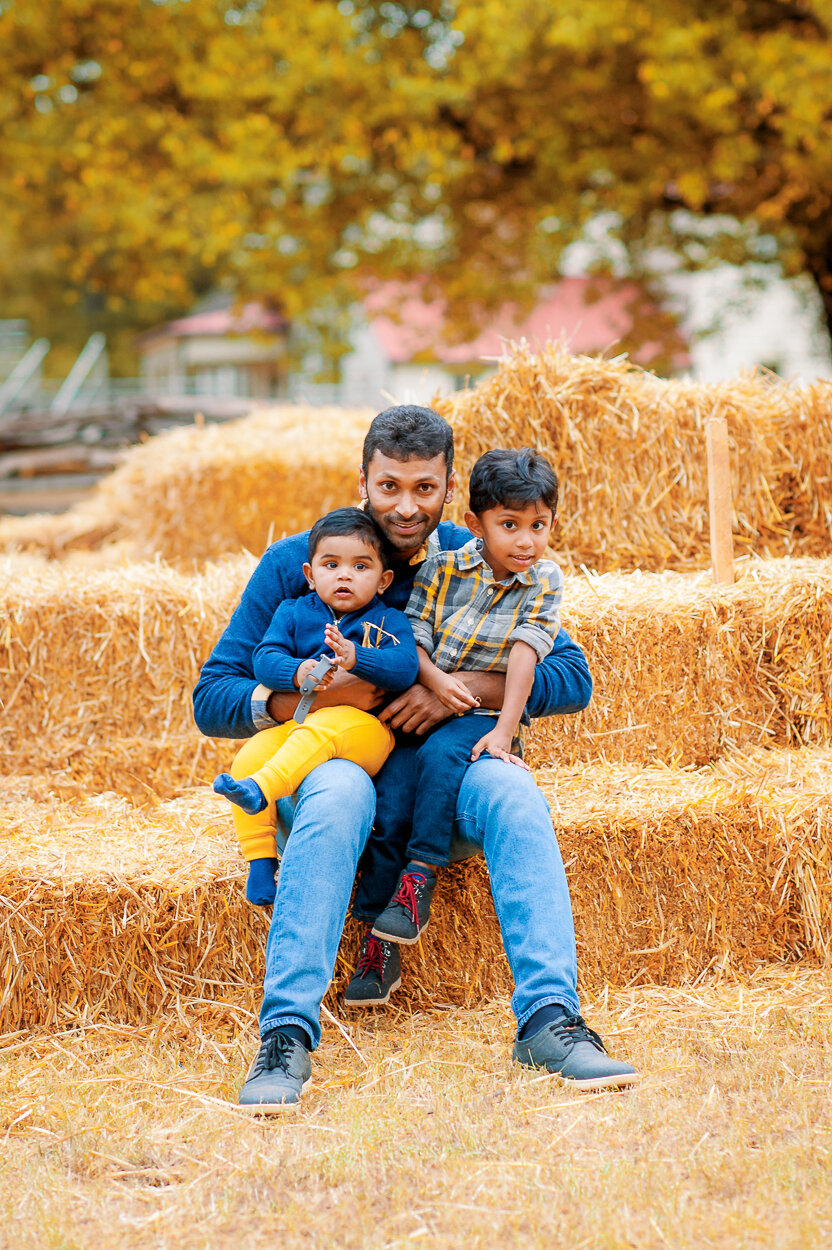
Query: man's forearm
[345,689]
[489,688]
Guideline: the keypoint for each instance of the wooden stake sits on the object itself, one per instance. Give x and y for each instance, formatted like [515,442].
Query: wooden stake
[719,500]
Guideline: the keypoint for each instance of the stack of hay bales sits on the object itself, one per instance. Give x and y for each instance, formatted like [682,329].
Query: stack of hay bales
[689,848]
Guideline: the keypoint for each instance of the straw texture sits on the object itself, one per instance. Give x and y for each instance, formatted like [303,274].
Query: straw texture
[113,912]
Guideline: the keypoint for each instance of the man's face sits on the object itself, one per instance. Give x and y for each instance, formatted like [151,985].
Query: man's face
[405,498]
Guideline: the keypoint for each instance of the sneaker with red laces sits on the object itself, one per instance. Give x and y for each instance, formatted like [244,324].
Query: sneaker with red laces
[408,912]
[377,974]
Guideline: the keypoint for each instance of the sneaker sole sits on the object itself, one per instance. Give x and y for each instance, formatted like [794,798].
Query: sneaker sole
[372,1002]
[272,1108]
[399,941]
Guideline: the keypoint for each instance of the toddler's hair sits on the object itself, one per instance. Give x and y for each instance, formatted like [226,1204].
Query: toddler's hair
[512,478]
[344,522]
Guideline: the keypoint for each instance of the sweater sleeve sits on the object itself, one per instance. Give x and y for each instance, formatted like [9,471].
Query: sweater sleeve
[222,698]
[562,682]
[393,666]
[275,660]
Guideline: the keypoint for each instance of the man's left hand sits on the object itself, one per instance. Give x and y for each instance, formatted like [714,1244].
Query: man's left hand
[415,711]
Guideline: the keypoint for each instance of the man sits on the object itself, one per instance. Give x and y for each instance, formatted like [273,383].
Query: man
[406,479]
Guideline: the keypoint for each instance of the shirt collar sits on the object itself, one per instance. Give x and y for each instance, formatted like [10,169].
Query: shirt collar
[470,555]
[430,547]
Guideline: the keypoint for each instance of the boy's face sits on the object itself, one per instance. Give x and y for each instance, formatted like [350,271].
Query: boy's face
[346,572]
[513,539]
[405,498]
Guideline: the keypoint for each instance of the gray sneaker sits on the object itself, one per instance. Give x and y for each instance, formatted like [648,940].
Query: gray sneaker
[377,974]
[571,1050]
[407,914]
[280,1072]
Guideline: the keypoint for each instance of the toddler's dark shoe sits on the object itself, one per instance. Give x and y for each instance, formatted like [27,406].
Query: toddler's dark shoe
[280,1072]
[571,1050]
[408,911]
[377,974]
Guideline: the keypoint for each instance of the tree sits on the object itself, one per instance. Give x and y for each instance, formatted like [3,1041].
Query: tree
[293,148]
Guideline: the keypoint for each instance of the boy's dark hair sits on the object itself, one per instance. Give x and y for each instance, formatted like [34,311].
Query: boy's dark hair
[512,479]
[409,432]
[344,522]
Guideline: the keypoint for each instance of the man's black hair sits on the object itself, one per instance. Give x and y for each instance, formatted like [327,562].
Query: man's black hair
[409,432]
[344,522]
[512,479]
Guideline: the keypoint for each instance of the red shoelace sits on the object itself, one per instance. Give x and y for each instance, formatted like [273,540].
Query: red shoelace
[373,958]
[406,894]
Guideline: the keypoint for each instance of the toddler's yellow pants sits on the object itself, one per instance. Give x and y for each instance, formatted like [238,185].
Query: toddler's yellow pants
[278,759]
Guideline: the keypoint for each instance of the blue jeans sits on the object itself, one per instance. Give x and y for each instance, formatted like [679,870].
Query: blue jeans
[499,811]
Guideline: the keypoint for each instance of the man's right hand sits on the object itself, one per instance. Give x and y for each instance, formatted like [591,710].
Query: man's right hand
[344,688]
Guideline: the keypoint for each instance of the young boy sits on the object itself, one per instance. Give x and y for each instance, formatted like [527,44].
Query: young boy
[493,604]
[346,571]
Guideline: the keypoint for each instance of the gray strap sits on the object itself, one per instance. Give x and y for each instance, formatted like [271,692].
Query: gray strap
[309,688]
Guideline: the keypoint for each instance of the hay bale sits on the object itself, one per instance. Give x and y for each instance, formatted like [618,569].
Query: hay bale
[629,449]
[114,913]
[197,493]
[97,668]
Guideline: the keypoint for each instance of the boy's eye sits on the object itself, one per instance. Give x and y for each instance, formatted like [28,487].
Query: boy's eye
[509,525]
[361,566]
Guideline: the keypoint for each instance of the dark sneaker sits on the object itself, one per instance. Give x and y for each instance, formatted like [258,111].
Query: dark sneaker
[278,1076]
[408,911]
[573,1051]
[377,974]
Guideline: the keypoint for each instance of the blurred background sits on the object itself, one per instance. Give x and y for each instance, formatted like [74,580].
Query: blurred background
[207,204]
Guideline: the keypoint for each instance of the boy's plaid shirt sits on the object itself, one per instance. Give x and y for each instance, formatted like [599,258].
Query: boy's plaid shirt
[466,620]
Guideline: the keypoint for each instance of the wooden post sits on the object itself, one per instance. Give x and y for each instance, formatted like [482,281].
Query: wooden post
[719,500]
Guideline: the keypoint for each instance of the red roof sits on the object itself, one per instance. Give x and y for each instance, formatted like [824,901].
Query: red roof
[251,317]
[577,309]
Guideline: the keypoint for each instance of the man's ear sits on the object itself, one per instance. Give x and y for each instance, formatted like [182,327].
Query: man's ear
[449,493]
[307,573]
[386,579]
[473,522]
[362,484]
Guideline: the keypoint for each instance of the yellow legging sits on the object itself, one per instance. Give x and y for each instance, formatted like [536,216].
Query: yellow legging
[278,760]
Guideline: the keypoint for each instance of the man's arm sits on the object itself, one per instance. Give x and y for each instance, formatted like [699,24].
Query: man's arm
[562,684]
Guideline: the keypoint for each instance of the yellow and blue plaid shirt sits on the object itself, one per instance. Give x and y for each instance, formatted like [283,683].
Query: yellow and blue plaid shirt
[465,619]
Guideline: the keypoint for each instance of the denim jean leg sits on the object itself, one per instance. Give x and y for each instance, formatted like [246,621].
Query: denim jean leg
[386,850]
[441,764]
[501,809]
[332,819]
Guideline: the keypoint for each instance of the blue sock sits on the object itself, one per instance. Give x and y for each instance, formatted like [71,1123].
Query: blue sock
[294,1031]
[549,1014]
[260,887]
[245,793]
[420,868]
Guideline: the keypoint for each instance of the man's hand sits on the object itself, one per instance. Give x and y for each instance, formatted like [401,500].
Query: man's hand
[498,745]
[342,688]
[342,648]
[415,711]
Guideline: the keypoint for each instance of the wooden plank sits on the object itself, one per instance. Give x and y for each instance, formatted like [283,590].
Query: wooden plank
[719,500]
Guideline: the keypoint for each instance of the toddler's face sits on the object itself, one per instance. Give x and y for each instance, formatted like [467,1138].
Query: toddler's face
[346,572]
[513,539]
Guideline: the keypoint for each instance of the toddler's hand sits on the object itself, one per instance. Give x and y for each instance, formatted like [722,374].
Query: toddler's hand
[342,648]
[305,668]
[453,693]
[498,745]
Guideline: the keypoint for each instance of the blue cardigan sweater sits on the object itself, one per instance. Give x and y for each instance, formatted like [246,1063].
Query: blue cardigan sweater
[223,694]
[297,633]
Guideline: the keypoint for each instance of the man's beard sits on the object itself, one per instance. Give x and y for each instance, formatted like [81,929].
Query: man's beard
[403,542]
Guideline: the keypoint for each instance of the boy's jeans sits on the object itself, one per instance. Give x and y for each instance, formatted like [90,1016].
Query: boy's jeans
[499,810]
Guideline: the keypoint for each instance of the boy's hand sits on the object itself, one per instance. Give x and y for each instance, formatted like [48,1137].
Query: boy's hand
[304,669]
[452,692]
[342,648]
[498,745]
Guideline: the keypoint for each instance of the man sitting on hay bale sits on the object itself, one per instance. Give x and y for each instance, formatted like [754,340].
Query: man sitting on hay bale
[406,479]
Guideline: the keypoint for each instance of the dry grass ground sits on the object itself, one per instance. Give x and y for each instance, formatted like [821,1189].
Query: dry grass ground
[429,1136]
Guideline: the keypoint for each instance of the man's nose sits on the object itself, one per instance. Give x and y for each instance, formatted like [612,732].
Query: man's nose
[407,506]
